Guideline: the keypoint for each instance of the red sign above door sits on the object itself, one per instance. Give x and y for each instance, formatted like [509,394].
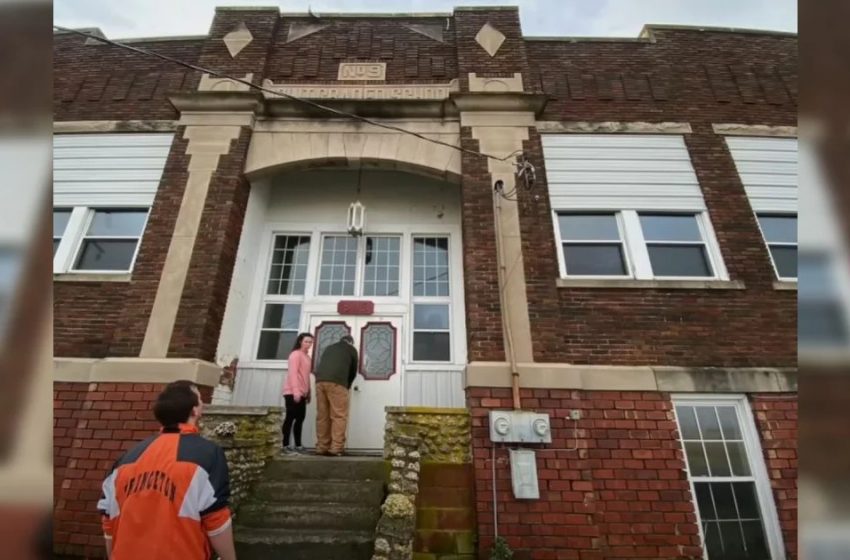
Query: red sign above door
[355,307]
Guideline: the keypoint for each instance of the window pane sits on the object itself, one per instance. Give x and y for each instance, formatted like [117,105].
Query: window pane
[669,228]
[708,422]
[679,260]
[282,316]
[595,227]
[55,246]
[785,259]
[276,345]
[289,265]
[430,266]
[382,254]
[729,422]
[738,458]
[688,422]
[733,540]
[755,541]
[705,501]
[431,317]
[696,458]
[327,334]
[106,254]
[339,255]
[594,260]
[723,500]
[745,496]
[109,223]
[712,542]
[431,347]
[779,229]
[718,464]
[60,221]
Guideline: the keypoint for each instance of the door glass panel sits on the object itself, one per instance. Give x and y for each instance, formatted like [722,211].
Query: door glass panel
[327,334]
[377,351]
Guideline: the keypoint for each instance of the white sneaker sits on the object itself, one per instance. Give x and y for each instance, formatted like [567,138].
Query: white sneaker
[300,449]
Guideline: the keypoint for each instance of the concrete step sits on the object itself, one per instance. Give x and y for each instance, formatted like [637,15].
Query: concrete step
[367,492]
[307,467]
[298,544]
[330,516]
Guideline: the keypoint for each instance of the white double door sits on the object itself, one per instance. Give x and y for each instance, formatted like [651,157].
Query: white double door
[378,340]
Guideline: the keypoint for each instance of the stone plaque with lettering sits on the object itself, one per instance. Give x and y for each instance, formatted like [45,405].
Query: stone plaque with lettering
[362,71]
[356,91]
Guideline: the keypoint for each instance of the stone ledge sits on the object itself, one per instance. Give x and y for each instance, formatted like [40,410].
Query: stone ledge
[425,410]
[79,127]
[651,284]
[634,378]
[135,370]
[785,286]
[240,410]
[734,129]
[72,277]
[554,127]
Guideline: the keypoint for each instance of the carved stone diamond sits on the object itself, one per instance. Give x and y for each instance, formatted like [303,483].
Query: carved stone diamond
[490,39]
[238,39]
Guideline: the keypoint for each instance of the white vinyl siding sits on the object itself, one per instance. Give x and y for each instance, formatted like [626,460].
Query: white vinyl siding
[620,172]
[108,169]
[768,170]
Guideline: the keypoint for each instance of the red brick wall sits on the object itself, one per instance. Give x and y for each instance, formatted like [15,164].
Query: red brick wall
[776,421]
[93,424]
[84,317]
[445,511]
[623,494]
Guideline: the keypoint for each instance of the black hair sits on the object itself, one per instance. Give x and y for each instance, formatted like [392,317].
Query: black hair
[347,338]
[301,337]
[175,403]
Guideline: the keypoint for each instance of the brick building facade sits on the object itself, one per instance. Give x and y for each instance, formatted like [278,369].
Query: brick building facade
[682,131]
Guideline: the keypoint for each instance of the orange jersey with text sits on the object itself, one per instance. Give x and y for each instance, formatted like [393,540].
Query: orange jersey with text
[165,497]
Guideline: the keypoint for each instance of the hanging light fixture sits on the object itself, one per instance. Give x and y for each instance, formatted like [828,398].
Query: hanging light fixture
[356,210]
[356,218]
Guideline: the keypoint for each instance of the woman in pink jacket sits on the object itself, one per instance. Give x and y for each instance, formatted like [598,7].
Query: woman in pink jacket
[296,390]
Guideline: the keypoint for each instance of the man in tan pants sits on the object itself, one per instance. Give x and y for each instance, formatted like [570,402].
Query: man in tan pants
[334,375]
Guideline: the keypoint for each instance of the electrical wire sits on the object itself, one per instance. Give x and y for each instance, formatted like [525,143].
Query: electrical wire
[252,85]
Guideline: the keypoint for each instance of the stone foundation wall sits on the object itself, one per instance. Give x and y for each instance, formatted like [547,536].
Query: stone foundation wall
[445,505]
[250,436]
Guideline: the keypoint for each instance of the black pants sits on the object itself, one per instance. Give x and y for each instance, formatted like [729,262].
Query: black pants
[295,413]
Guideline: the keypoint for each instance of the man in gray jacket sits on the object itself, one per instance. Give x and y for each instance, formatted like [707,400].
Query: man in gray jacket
[334,375]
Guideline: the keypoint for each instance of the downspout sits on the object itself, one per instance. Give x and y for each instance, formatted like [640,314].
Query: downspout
[503,279]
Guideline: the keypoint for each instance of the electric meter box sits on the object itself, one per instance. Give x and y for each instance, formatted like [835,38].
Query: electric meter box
[519,426]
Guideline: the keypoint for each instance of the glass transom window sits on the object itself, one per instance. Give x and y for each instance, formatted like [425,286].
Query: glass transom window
[338,265]
[431,266]
[381,266]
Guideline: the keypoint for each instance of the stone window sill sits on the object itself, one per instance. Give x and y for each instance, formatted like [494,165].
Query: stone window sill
[785,286]
[651,284]
[72,277]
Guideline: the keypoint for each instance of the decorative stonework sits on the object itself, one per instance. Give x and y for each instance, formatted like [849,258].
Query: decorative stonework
[300,30]
[346,91]
[376,71]
[395,531]
[211,83]
[445,432]
[238,39]
[500,85]
[429,30]
[490,39]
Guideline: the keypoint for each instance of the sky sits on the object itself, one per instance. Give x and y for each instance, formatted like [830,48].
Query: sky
[599,18]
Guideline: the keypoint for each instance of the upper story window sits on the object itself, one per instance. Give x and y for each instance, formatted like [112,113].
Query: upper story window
[768,170]
[104,186]
[431,300]
[629,206]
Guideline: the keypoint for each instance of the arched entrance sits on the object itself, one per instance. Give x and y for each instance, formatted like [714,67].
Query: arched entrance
[397,288]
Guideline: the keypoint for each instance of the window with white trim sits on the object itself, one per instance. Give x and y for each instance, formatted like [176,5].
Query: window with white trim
[97,240]
[629,206]
[780,235]
[60,223]
[367,266]
[284,294]
[728,479]
[642,245]
[431,299]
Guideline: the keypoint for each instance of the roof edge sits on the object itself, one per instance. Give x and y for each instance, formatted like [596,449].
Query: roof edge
[649,27]
[376,15]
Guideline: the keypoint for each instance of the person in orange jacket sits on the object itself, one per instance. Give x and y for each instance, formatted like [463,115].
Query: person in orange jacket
[168,496]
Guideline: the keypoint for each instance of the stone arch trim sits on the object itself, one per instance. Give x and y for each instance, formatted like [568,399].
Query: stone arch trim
[277,145]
